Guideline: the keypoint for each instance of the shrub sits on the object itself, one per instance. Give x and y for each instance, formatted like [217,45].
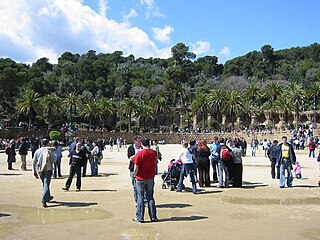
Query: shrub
[55,135]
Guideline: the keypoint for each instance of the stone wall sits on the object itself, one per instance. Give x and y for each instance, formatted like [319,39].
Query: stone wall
[172,138]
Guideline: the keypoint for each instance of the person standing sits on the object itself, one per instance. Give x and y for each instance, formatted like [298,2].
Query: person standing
[131,152]
[188,168]
[214,149]
[76,163]
[11,152]
[312,147]
[58,157]
[23,151]
[145,170]
[237,165]
[224,163]
[156,148]
[96,155]
[254,147]
[203,163]
[273,153]
[42,168]
[285,160]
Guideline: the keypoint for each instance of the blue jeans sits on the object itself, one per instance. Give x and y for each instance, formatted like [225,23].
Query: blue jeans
[57,167]
[223,168]
[286,165]
[46,179]
[94,166]
[186,169]
[133,183]
[311,153]
[145,187]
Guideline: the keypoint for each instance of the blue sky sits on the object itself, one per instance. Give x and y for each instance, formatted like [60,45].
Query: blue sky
[33,29]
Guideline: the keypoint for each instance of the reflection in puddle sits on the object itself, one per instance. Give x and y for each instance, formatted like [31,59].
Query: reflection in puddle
[266,201]
[49,216]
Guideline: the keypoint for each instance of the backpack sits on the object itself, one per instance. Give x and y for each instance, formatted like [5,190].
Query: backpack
[225,154]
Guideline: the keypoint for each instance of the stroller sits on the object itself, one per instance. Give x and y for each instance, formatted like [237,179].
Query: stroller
[171,177]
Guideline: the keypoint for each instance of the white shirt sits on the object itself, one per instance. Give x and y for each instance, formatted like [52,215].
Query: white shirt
[185,156]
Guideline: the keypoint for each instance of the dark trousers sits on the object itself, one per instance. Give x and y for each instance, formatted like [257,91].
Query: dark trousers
[273,169]
[74,169]
[84,172]
[214,164]
[204,171]
[237,174]
[231,171]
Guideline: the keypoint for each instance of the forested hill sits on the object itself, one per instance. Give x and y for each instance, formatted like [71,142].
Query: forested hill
[298,64]
[175,81]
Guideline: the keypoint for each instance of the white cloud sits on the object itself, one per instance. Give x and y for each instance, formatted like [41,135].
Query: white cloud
[225,52]
[162,35]
[131,14]
[152,9]
[103,7]
[200,47]
[33,29]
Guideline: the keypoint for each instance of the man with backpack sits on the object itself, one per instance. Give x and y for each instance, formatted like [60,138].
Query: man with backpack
[312,147]
[225,160]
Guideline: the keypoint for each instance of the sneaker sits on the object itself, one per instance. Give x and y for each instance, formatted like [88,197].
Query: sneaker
[137,221]
[50,199]
[154,220]
[78,190]
[44,205]
[66,189]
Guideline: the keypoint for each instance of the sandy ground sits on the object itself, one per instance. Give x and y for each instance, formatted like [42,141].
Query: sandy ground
[105,207]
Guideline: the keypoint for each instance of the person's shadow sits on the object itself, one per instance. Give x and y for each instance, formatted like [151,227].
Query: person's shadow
[182,219]
[71,204]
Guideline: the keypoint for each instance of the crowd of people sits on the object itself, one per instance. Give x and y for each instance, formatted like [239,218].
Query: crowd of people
[221,157]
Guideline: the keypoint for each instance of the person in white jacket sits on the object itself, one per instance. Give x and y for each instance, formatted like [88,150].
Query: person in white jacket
[188,167]
[42,168]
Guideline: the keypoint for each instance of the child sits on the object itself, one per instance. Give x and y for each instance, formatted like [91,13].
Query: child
[297,170]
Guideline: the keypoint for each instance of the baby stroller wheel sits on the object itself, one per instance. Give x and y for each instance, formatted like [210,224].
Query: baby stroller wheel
[164,186]
[172,188]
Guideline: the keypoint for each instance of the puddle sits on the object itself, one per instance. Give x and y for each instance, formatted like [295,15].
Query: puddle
[51,216]
[266,201]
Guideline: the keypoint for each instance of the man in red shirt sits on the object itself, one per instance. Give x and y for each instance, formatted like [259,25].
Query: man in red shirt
[145,170]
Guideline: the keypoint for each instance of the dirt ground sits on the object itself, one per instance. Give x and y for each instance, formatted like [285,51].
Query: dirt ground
[105,206]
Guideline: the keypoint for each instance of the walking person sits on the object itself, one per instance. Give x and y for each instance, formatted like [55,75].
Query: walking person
[76,162]
[42,168]
[285,160]
[237,166]
[273,153]
[312,147]
[11,153]
[23,152]
[188,168]
[203,163]
[144,170]
[214,149]
[131,152]
[254,147]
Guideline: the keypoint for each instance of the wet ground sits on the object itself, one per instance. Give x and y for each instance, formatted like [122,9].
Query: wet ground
[104,208]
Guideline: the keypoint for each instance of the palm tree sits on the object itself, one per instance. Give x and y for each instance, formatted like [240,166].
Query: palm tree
[297,95]
[71,102]
[158,104]
[200,106]
[145,111]
[271,92]
[51,106]
[29,103]
[128,106]
[253,92]
[92,112]
[249,109]
[314,92]
[107,107]
[216,100]
[283,104]
[233,105]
